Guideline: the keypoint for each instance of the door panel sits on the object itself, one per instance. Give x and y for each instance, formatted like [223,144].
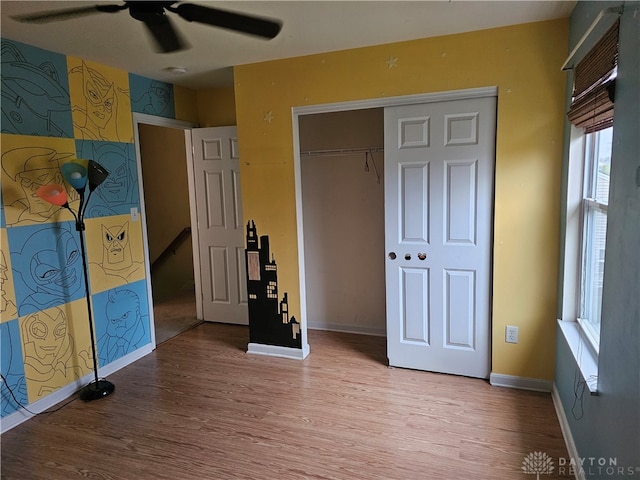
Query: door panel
[439,163]
[220,232]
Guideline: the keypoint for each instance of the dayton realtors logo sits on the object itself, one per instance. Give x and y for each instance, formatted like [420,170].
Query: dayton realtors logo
[537,463]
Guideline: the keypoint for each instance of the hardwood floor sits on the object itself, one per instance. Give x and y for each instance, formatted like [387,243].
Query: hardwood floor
[199,407]
[174,315]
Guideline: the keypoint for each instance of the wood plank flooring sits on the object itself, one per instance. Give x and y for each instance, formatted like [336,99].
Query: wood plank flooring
[199,407]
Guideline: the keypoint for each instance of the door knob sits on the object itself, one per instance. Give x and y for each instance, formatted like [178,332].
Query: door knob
[407,256]
[392,255]
[422,256]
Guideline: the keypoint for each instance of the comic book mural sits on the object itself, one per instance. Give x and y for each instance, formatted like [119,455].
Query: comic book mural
[269,320]
[27,164]
[122,321]
[57,109]
[151,96]
[56,348]
[118,194]
[12,368]
[47,266]
[100,102]
[35,92]
[115,252]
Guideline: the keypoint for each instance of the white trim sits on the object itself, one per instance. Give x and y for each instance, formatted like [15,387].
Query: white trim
[584,356]
[396,101]
[20,416]
[346,106]
[193,215]
[522,383]
[603,13]
[277,351]
[144,118]
[566,431]
[357,329]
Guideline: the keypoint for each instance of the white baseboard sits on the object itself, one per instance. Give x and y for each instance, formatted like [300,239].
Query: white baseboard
[566,431]
[523,383]
[19,416]
[337,327]
[277,351]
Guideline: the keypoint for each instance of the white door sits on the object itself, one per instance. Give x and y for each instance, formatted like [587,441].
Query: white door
[220,225]
[439,163]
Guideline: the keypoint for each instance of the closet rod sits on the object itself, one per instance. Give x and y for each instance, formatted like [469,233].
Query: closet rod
[341,151]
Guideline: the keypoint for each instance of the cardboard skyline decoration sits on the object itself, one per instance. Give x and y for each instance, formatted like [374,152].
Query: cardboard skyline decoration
[269,320]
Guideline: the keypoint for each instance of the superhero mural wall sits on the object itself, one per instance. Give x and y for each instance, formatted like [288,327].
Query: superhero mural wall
[56,109]
[269,320]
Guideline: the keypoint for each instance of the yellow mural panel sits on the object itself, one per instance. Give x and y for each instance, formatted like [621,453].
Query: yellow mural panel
[100,101]
[8,308]
[27,164]
[56,348]
[115,251]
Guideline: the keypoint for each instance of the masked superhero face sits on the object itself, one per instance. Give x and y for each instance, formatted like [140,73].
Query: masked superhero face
[122,316]
[46,333]
[100,96]
[58,271]
[115,243]
[116,186]
[31,180]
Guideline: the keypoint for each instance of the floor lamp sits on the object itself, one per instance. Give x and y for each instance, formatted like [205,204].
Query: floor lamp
[78,175]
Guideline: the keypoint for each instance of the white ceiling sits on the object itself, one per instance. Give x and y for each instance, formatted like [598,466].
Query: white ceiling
[309,27]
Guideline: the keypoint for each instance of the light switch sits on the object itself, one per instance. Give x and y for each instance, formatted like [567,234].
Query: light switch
[134,214]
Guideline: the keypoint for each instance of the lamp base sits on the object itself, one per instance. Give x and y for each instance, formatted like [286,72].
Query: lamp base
[96,390]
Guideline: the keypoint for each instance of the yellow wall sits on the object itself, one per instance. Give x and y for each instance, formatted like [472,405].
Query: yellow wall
[524,62]
[186,105]
[216,107]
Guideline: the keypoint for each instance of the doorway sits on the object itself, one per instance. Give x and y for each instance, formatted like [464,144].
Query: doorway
[164,185]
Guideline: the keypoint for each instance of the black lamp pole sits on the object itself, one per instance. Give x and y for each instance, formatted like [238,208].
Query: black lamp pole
[99,388]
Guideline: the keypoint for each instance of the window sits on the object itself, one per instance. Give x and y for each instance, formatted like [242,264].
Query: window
[595,199]
[592,113]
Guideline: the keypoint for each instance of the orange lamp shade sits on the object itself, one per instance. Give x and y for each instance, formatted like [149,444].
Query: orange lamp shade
[53,193]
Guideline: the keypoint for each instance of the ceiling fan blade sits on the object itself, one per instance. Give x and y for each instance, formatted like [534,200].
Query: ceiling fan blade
[162,30]
[67,13]
[253,25]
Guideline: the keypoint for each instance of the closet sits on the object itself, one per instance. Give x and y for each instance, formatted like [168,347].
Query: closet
[341,158]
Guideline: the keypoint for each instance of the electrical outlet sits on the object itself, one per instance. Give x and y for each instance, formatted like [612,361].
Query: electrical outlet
[511,334]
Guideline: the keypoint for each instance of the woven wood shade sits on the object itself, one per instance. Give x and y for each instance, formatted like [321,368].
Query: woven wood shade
[594,90]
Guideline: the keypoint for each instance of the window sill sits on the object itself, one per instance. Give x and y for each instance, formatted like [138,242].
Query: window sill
[585,358]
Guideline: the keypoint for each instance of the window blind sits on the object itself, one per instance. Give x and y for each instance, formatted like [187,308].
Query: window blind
[594,84]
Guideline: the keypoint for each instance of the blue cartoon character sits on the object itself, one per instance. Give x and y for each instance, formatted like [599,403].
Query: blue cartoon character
[119,192]
[50,266]
[34,100]
[156,100]
[12,369]
[125,326]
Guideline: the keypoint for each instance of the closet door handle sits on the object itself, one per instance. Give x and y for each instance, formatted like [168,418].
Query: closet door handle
[392,255]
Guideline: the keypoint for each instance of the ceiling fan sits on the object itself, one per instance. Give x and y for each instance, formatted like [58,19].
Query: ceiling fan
[153,15]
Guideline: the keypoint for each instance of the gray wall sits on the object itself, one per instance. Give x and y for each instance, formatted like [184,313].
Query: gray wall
[610,426]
